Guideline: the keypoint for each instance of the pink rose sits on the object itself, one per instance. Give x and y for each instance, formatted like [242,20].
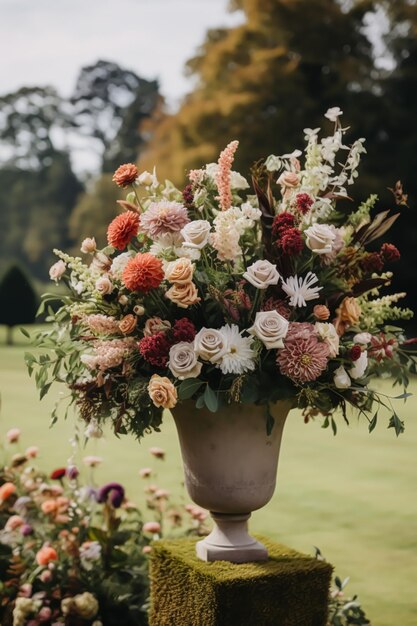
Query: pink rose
[57,270]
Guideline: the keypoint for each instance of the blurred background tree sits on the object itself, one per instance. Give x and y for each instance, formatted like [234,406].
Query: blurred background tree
[19,301]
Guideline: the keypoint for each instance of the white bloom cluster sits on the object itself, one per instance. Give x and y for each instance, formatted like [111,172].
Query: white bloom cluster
[226,348]
[229,226]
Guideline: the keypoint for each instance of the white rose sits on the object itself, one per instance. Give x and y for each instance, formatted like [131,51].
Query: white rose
[359,366]
[145,178]
[104,285]
[362,338]
[196,234]
[209,344]
[271,328]
[261,274]
[320,238]
[183,361]
[57,270]
[328,333]
[341,378]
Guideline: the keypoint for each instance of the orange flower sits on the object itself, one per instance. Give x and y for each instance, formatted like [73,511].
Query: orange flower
[143,273]
[128,324]
[49,506]
[347,314]
[125,175]
[122,229]
[45,555]
[6,490]
[321,312]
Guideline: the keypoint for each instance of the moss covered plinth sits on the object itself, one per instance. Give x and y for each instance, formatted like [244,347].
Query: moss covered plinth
[290,589]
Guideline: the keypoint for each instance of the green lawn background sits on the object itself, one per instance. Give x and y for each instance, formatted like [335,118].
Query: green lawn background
[353,495]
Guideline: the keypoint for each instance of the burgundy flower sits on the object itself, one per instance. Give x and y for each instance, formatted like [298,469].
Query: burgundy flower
[155,349]
[58,474]
[382,348]
[372,262]
[112,493]
[281,223]
[390,253]
[188,195]
[275,304]
[291,242]
[355,352]
[183,330]
[303,202]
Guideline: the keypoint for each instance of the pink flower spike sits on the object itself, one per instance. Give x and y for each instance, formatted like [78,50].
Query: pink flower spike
[223,179]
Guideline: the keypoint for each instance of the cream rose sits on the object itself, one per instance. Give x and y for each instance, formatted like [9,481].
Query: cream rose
[155,325]
[101,262]
[183,361]
[362,338]
[209,344]
[183,295]
[104,285]
[341,378]
[89,245]
[196,234]
[328,333]
[290,180]
[271,328]
[162,392]
[359,367]
[57,270]
[261,274]
[180,271]
[320,238]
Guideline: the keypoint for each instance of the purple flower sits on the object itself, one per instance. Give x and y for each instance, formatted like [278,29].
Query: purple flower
[26,530]
[113,493]
[72,472]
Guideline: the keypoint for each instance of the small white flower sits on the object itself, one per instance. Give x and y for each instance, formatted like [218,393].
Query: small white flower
[328,333]
[301,289]
[359,367]
[341,378]
[362,338]
[183,361]
[271,328]
[261,274]
[333,113]
[237,181]
[119,263]
[146,179]
[93,430]
[239,356]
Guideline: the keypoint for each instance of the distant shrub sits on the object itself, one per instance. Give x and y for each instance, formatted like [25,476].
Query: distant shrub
[18,300]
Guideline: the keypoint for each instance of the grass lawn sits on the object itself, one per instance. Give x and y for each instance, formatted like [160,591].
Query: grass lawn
[354,495]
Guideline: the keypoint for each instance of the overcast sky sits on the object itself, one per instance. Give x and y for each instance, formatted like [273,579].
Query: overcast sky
[47,41]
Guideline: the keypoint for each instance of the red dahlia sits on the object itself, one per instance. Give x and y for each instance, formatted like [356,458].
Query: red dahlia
[155,349]
[291,242]
[122,230]
[303,202]
[183,330]
[143,273]
[282,222]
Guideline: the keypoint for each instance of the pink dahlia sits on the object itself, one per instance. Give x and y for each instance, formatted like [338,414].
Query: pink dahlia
[163,217]
[303,357]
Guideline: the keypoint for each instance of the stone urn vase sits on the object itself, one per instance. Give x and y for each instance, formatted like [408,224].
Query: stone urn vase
[230,467]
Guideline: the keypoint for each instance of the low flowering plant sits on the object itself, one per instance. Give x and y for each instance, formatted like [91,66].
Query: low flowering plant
[224,294]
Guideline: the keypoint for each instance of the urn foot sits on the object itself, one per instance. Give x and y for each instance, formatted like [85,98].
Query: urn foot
[230,541]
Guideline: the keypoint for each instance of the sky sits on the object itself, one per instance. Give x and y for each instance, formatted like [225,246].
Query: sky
[47,41]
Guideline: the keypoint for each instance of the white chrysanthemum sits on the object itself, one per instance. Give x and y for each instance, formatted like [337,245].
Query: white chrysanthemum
[301,289]
[119,263]
[239,356]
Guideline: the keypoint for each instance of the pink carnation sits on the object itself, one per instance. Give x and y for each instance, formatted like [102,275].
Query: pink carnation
[303,357]
[163,217]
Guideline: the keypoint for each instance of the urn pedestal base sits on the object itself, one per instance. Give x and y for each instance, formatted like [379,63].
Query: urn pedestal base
[289,589]
[230,541]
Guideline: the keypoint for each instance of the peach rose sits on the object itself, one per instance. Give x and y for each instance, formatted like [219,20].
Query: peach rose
[14,522]
[155,325]
[347,314]
[183,295]
[162,392]
[104,285]
[128,324]
[6,490]
[321,312]
[45,555]
[48,507]
[180,271]
[88,245]
[291,180]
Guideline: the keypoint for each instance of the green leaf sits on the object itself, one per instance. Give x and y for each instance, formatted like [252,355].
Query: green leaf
[270,421]
[403,396]
[373,422]
[210,399]
[200,403]
[334,427]
[24,332]
[326,423]
[188,388]
[44,390]
[397,424]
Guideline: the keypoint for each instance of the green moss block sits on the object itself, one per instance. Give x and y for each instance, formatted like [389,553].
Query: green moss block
[290,589]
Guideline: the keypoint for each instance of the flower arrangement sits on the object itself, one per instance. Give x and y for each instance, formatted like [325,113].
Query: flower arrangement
[220,295]
[74,553]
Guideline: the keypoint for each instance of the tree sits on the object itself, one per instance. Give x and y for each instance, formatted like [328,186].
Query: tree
[94,211]
[109,104]
[265,80]
[18,300]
